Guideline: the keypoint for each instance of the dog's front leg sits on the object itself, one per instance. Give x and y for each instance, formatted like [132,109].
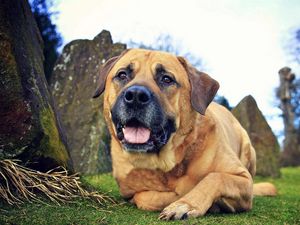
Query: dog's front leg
[232,192]
[154,200]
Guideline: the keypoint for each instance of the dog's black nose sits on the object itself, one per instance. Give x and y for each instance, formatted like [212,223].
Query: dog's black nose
[136,94]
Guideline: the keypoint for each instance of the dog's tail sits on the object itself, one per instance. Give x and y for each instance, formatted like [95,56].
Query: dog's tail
[264,189]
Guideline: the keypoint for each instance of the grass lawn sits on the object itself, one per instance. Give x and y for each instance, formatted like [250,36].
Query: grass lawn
[283,209]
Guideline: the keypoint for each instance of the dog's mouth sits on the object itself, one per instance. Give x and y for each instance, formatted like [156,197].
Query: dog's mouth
[136,136]
[136,133]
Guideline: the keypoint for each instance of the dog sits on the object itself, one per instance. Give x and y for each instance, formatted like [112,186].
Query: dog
[173,149]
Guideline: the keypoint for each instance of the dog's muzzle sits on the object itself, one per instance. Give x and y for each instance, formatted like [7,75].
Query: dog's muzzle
[140,122]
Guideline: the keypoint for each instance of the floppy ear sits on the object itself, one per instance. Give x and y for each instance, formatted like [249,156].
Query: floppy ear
[203,87]
[104,70]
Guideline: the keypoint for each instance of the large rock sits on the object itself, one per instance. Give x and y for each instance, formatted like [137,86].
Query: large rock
[29,129]
[261,135]
[73,84]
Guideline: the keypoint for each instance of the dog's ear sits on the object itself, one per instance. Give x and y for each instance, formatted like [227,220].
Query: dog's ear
[104,70]
[203,87]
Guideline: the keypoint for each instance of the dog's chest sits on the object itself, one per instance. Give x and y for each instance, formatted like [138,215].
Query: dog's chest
[153,180]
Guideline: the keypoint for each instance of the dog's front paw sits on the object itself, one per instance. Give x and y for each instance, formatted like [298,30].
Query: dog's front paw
[179,210]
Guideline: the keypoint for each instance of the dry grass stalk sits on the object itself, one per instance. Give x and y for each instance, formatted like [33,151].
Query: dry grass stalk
[19,184]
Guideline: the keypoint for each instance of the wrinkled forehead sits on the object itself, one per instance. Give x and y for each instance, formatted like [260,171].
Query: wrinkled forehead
[140,59]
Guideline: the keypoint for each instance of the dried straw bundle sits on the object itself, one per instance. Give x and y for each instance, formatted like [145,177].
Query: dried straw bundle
[18,183]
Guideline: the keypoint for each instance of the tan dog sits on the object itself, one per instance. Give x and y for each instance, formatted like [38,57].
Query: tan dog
[170,151]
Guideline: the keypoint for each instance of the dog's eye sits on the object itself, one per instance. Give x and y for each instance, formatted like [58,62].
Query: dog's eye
[122,75]
[167,79]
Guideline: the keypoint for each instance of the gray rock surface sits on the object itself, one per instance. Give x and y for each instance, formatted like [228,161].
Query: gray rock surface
[261,135]
[29,128]
[73,84]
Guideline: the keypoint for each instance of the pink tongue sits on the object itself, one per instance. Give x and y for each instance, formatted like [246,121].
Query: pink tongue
[136,135]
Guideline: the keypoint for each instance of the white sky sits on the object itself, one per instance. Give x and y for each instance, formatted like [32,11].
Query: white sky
[240,41]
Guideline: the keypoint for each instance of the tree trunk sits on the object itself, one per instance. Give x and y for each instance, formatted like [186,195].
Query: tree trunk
[291,149]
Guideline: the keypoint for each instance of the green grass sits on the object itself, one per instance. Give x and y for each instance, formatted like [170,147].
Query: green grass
[282,209]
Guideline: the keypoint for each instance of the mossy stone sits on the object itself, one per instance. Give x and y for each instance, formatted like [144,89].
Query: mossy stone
[73,84]
[29,128]
[263,139]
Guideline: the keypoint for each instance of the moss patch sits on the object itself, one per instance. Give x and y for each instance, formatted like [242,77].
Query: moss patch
[51,144]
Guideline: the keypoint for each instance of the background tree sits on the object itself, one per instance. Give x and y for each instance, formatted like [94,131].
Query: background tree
[295,101]
[293,49]
[223,101]
[52,39]
[293,46]
[289,95]
[295,91]
[165,42]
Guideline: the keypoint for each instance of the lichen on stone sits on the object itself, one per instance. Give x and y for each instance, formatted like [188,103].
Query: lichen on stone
[51,144]
[81,115]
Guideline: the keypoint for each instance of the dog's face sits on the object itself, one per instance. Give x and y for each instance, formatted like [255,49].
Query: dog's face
[149,95]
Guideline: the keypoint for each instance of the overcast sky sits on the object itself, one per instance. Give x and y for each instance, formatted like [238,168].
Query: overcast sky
[241,42]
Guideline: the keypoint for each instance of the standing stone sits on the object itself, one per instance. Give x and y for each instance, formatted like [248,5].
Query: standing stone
[291,143]
[29,129]
[263,139]
[73,84]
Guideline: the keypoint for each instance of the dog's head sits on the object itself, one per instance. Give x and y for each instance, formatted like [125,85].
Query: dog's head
[149,95]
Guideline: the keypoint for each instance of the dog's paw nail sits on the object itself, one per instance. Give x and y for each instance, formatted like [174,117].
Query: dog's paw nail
[179,211]
[175,211]
[166,216]
[162,216]
[184,216]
